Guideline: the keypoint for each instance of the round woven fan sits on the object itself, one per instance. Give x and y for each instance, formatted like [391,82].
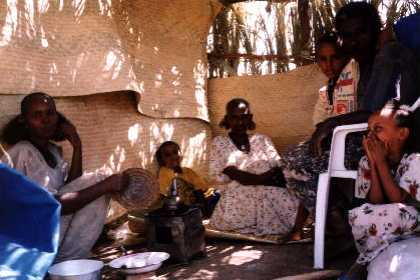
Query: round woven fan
[142,190]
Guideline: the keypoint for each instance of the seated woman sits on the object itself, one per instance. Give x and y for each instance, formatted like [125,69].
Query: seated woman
[389,179]
[246,167]
[83,198]
[301,167]
[192,188]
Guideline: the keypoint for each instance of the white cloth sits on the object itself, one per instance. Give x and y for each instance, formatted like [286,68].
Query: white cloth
[399,261]
[259,210]
[78,231]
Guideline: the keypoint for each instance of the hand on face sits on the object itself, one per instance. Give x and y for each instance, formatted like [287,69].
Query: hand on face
[375,149]
[70,133]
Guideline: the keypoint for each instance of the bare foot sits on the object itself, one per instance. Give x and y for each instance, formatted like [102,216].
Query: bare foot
[295,235]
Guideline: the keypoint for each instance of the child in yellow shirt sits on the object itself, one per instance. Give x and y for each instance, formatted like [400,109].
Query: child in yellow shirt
[192,188]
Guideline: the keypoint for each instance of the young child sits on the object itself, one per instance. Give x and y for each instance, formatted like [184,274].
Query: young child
[192,189]
[389,179]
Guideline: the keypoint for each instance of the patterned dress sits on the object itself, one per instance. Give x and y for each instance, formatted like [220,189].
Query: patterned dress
[258,210]
[301,168]
[375,226]
[80,230]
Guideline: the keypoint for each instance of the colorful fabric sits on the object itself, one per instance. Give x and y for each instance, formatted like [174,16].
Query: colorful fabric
[166,176]
[407,176]
[374,227]
[344,97]
[29,227]
[80,230]
[259,210]
[188,182]
[301,169]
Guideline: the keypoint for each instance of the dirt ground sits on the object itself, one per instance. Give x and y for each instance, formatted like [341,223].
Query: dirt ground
[240,260]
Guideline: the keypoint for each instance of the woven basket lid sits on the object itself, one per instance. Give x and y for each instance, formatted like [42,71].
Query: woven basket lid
[142,190]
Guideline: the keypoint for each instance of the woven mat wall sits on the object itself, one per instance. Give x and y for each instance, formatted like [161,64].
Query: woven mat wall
[114,134]
[282,104]
[71,48]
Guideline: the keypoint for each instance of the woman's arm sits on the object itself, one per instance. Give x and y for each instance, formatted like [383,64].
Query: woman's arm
[70,133]
[248,179]
[73,201]
[327,127]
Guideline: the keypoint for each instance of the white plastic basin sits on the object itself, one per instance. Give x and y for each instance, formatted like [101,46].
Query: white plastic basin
[76,270]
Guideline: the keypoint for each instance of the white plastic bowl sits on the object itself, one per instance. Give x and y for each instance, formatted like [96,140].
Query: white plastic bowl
[76,270]
[139,263]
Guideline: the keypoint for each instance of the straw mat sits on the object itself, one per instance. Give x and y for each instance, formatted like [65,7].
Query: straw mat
[282,104]
[73,48]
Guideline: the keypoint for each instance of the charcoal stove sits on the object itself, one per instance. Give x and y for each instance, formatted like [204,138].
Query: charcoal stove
[176,229]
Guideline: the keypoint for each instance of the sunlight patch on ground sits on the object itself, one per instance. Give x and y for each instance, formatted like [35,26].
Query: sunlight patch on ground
[243,256]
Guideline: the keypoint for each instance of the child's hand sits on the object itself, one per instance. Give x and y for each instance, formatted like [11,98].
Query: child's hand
[376,149]
[366,145]
[70,133]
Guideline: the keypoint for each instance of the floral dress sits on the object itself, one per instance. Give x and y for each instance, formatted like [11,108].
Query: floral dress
[301,168]
[375,226]
[258,210]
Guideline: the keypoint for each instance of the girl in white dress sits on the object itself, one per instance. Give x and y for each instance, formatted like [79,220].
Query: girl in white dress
[389,179]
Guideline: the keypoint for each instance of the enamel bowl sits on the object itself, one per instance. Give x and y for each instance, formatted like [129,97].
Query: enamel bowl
[139,263]
[76,270]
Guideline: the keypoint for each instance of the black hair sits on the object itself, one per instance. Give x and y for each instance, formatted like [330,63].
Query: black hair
[360,10]
[327,38]
[230,106]
[159,155]
[27,100]
[16,129]
[403,117]
[332,39]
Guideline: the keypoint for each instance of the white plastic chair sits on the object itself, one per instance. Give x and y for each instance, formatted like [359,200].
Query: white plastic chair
[336,168]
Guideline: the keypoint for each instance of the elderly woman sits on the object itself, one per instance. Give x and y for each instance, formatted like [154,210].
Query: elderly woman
[247,165]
